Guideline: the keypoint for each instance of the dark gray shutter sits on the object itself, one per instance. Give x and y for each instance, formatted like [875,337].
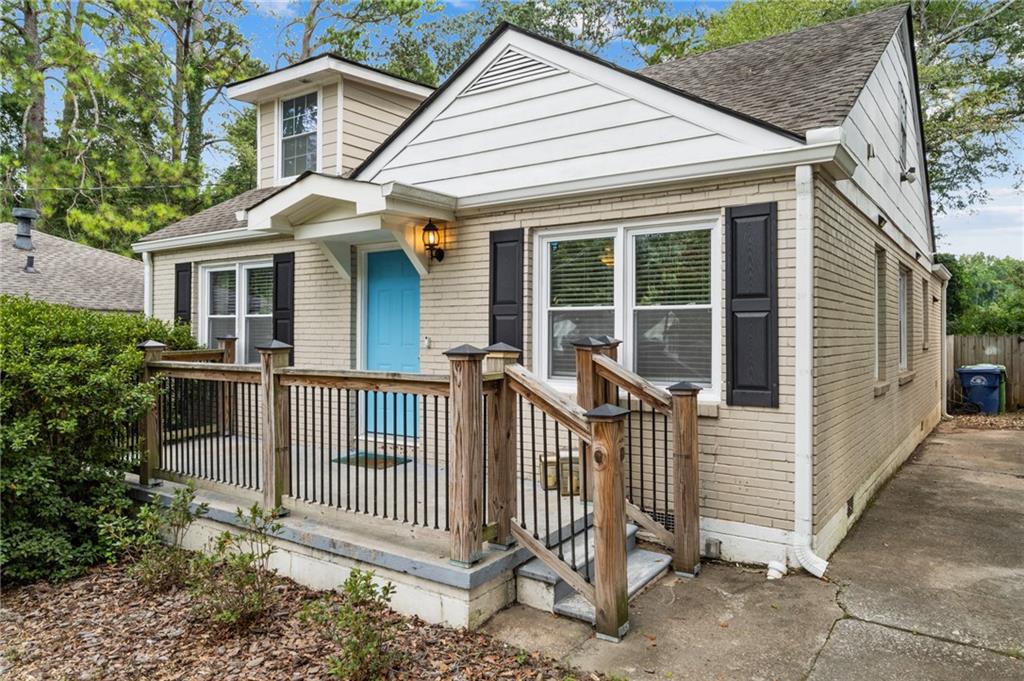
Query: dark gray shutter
[183,292]
[506,296]
[284,297]
[752,315]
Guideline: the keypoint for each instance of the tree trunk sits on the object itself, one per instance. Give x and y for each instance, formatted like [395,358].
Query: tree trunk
[308,26]
[35,116]
[195,87]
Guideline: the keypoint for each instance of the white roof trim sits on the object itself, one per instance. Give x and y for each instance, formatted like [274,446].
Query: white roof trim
[321,68]
[625,84]
[207,238]
[833,154]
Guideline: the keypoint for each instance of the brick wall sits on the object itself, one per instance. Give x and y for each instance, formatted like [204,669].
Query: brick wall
[860,437]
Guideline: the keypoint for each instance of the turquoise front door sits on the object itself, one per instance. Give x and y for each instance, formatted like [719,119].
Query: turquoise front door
[392,337]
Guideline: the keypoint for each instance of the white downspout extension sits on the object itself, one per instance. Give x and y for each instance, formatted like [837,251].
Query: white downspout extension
[147,284]
[803,475]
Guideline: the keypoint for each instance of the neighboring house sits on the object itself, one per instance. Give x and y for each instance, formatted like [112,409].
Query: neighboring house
[46,267]
[755,220]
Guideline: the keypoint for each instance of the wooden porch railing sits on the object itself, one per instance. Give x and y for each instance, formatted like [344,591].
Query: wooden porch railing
[262,428]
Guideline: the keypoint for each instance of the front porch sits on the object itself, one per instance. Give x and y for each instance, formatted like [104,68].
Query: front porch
[463,490]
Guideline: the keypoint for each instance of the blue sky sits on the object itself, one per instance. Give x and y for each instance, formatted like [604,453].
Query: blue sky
[996,228]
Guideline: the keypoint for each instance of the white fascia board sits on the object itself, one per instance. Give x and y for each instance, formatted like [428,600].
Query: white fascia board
[629,86]
[322,69]
[940,271]
[208,238]
[833,154]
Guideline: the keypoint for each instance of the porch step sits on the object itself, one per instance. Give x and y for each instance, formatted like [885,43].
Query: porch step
[538,586]
[642,568]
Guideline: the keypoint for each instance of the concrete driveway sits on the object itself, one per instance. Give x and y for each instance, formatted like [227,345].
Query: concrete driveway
[928,585]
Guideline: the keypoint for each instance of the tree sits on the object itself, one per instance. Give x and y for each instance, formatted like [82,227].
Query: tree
[239,129]
[969,54]
[985,294]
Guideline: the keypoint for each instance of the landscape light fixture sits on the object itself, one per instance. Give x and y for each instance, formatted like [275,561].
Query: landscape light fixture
[432,241]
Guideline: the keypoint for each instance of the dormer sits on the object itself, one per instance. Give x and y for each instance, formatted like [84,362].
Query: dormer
[325,114]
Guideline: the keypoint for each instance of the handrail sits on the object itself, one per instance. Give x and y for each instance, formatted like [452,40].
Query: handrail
[548,400]
[202,354]
[376,381]
[206,371]
[636,385]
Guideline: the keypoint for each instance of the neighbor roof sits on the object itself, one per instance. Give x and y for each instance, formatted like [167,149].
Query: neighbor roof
[70,273]
[216,218]
[796,81]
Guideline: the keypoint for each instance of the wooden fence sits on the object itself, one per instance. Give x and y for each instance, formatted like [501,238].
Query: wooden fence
[1005,350]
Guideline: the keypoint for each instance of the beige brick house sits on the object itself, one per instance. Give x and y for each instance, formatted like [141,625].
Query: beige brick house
[754,220]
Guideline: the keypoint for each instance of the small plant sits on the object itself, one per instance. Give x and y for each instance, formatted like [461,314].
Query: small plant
[233,584]
[361,626]
[159,562]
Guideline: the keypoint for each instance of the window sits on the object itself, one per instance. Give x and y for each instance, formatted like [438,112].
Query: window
[653,287]
[925,304]
[880,314]
[905,298]
[299,120]
[243,287]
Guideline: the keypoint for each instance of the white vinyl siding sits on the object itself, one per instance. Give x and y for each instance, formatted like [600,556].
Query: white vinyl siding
[653,286]
[236,300]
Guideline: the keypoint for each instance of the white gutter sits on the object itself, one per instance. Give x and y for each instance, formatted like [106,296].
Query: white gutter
[803,474]
[147,284]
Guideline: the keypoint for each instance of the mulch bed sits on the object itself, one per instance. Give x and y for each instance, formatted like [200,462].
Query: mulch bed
[104,627]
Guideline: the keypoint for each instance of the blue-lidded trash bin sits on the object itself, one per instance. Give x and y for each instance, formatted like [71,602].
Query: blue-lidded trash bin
[981,386]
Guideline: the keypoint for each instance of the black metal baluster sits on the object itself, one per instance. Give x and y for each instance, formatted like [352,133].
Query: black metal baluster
[664,480]
[533,447]
[643,455]
[437,469]
[587,517]
[572,506]
[366,454]
[377,409]
[415,468]
[484,455]
[558,488]
[547,496]
[405,455]
[447,475]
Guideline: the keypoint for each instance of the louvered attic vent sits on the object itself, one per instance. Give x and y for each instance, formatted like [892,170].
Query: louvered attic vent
[511,67]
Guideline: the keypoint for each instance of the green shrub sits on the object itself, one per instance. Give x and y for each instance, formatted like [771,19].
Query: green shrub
[362,627]
[68,392]
[233,584]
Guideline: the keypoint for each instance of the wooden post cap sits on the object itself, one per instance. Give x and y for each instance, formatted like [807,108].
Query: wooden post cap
[150,345]
[465,351]
[228,337]
[590,342]
[684,388]
[273,346]
[607,412]
[494,348]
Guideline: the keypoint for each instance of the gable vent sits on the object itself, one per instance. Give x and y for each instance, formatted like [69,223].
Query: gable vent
[511,67]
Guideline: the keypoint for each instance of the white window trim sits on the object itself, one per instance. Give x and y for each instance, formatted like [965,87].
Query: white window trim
[904,284]
[280,179]
[624,286]
[241,285]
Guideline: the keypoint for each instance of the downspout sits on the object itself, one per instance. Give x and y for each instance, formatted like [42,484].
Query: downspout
[803,474]
[945,275]
[147,284]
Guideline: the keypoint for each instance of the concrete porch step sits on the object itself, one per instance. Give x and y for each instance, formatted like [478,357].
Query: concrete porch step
[642,568]
[538,586]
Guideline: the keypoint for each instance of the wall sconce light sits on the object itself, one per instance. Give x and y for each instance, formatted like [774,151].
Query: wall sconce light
[908,175]
[432,241]
[881,221]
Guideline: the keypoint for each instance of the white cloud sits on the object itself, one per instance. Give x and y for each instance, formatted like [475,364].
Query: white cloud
[275,8]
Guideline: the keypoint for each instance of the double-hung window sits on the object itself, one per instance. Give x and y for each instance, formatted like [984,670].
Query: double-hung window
[237,301]
[299,121]
[905,297]
[652,286]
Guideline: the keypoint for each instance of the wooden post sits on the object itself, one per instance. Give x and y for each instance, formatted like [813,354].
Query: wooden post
[149,425]
[610,586]
[465,513]
[275,427]
[501,445]
[591,389]
[686,489]
[227,404]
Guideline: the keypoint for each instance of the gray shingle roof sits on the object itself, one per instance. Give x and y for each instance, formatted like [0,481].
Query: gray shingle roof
[215,218]
[70,273]
[796,81]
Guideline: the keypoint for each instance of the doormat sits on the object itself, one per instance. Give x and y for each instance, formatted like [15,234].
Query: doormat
[372,460]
